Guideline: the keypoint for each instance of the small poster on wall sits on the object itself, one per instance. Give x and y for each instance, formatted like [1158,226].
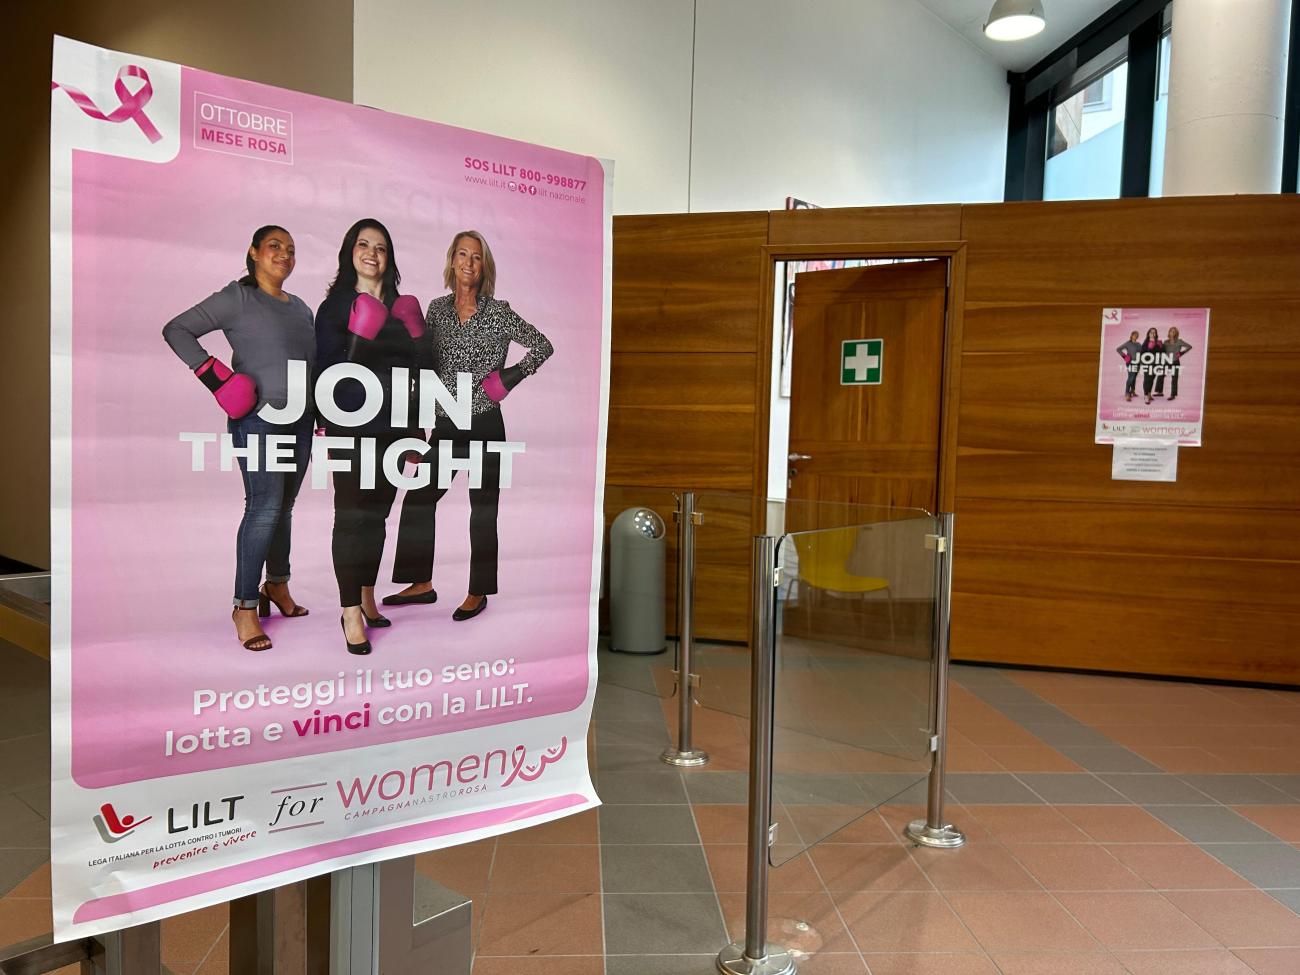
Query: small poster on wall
[1151,381]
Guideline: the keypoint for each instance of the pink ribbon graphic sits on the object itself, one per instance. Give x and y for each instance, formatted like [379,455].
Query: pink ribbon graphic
[131,106]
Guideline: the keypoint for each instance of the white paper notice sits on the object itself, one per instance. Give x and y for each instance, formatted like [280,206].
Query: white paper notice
[1145,460]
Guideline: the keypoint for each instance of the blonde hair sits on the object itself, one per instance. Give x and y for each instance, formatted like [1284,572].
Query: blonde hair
[487,284]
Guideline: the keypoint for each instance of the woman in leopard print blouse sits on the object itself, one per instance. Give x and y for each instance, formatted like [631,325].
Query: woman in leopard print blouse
[472,331]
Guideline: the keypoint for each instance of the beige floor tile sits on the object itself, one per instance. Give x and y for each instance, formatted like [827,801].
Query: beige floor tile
[1010,921]
[928,963]
[1240,918]
[899,921]
[1177,866]
[1076,866]
[542,924]
[1213,962]
[1123,920]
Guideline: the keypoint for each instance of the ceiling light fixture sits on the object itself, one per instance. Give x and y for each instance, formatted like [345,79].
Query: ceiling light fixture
[1014,20]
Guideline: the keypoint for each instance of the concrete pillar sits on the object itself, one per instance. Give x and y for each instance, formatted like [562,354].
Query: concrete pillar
[1227,95]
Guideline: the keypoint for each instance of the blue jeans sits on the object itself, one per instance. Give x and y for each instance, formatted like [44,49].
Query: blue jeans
[265,529]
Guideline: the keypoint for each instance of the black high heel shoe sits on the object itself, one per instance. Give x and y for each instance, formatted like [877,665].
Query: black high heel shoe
[360,649]
[380,621]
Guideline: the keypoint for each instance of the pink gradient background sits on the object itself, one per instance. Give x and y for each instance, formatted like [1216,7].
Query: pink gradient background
[153,542]
[1192,327]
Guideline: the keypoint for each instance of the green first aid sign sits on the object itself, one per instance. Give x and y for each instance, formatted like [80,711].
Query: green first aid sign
[861,362]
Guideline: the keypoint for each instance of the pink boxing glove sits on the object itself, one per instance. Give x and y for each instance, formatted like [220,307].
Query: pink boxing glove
[235,393]
[406,309]
[367,317]
[365,321]
[498,383]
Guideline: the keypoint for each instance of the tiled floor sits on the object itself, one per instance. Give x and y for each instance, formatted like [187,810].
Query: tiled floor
[1115,826]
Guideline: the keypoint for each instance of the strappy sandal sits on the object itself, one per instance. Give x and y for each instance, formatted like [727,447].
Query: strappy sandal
[256,643]
[264,601]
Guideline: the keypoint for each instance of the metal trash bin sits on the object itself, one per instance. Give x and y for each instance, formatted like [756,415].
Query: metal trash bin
[636,582]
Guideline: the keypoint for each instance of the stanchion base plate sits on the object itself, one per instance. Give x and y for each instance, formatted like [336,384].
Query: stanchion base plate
[733,961]
[943,838]
[692,758]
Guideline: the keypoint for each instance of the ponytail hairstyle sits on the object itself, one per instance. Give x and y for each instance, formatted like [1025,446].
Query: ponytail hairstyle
[249,280]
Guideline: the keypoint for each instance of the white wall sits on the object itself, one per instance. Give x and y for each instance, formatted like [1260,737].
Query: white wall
[839,102]
[607,78]
[842,103]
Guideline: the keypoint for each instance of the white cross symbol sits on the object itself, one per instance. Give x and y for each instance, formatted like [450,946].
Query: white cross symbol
[861,362]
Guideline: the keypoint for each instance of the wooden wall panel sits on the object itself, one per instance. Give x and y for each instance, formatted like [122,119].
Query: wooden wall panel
[1247,326]
[1122,529]
[680,448]
[1057,564]
[866,225]
[1172,251]
[687,282]
[684,384]
[1212,641]
[668,379]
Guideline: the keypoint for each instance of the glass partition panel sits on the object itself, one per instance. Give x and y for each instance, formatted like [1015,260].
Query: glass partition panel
[855,618]
[637,649]
[724,541]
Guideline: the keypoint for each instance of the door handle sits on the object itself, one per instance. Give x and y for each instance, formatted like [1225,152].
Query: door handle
[800,457]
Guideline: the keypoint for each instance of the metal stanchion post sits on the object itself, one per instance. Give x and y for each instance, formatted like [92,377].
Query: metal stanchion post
[933,830]
[130,951]
[374,928]
[354,922]
[756,956]
[685,754]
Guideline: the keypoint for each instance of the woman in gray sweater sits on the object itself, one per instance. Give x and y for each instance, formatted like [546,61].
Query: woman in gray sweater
[266,328]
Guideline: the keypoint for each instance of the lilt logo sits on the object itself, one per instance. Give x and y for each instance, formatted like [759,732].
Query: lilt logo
[113,827]
[181,819]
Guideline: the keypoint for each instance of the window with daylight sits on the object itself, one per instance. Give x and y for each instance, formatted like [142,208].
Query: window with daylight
[1160,119]
[1085,148]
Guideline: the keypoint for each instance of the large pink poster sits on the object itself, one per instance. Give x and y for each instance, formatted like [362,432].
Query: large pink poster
[292,437]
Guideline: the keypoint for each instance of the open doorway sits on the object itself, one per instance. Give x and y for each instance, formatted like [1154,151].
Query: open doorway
[856,380]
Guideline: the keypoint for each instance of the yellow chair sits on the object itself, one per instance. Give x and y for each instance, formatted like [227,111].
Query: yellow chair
[824,558]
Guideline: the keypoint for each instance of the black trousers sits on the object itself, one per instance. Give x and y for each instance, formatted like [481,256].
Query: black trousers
[416,535]
[359,517]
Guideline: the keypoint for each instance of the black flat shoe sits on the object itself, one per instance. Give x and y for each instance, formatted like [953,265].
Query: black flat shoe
[397,599]
[468,614]
[379,621]
[360,649]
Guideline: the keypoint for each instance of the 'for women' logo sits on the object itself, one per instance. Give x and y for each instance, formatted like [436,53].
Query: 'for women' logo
[130,104]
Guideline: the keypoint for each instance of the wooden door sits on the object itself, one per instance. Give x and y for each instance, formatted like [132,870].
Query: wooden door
[868,444]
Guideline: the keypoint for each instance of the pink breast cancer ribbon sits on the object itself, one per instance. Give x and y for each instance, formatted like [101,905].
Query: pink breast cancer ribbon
[131,106]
